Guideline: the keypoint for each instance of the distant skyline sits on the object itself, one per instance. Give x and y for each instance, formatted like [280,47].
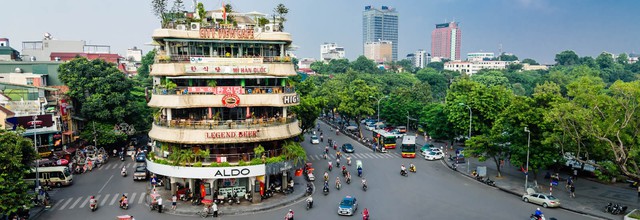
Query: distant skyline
[536,29]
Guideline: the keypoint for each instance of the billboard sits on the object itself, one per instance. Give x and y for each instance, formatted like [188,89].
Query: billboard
[27,122]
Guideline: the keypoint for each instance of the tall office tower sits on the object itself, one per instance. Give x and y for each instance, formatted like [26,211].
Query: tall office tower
[380,25]
[445,41]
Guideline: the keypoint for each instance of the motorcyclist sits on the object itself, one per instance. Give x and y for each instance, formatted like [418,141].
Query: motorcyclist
[310,201]
[326,176]
[326,186]
[124,202]
[412,167]
[538,213]
[364,182]
[348,177]
[123,171]
[359,171]
[325,155]
[289,215]
[338,161]
[344,170]
[122,199]
[330,166]
[349,160]
[326,150]
[337,182]
[403,169]
[365,214]
[321,138]
[93,203]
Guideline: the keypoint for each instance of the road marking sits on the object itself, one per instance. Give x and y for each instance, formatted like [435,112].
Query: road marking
[100,168]
[142,196]
[115,196]
[105,184]
[132,197]
[54,204]
[75,203]
[106,198]
[65,204]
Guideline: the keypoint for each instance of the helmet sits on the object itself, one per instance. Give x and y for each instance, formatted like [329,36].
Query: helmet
[290,210]
[92,197]
[538,209]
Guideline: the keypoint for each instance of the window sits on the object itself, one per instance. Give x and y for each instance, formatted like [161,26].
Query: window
[30,81]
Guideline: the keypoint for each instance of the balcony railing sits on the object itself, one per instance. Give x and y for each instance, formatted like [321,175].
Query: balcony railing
[162,58]
[212,90]
[225,124]
[231,158]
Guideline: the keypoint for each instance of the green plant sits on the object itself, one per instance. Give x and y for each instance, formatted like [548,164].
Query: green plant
[242,163]
[152,155]
[197,164]
[255,161]
[171,85]
[225,164]
[212,83]
[635,214]
[258,150]
[213,165]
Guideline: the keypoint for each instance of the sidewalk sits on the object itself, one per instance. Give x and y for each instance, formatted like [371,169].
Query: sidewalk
[245,207]
[591,196]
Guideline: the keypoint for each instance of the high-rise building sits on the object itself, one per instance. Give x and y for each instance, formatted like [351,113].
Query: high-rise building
[380,25]
[421,58]
[379,51]
[480,56]
[331,51]
[445,41]
[221,103]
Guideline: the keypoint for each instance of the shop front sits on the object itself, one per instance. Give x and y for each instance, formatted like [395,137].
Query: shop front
[209,183]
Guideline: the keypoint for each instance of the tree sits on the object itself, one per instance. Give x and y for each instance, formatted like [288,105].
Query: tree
[202,13]
[178,6]
[438,66]
[433,117]
[159,8]
[16,156]
[605,60]
[622,59]
[281,11]
[407,66]
[588,61]
[507,57]
[104,133]
[491,78]
[436,80]
[307,111]
[338,66]
[567,58]
[355,102]
[364,65]
[530,61]
[143,70]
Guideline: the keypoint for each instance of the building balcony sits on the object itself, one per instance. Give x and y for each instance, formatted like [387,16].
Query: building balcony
[283,69]
[221,90]
[221,132]
[163,58]
[253,99]
[199,34]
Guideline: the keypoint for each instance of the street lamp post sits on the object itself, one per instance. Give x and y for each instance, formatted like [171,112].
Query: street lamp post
[35,147]
[470,118]
[526,172]
[379,99]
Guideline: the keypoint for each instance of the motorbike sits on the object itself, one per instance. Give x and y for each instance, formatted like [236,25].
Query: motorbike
[235,196]
[359,172]
[196,201]
[348,181]
[364,187]
[412,169]
[123,173]
[338,186]
[490,182]
[534,217]
[230,199]
[325,191]
[124,205]
[93,206]
[344,172]
[404,173]
[454,167]
[309,204]
[121,156]
[615,209]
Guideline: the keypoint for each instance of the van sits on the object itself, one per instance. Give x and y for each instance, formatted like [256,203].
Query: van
[56,176]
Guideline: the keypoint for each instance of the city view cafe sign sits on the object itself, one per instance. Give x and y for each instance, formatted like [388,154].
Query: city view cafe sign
[226,33]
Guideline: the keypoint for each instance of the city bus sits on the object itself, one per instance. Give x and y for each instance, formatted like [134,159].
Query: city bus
[408,147]
[54,176]
[384,138]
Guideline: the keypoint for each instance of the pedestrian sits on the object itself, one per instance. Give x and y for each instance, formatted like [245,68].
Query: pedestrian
[132,217]
[569,183]
[174,200]
[159,204]
[154,181]
[575,174]
[214,206]
[573,191]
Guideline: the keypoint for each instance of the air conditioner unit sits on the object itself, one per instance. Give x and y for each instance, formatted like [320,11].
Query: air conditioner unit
[195,26]
[271,28]
[181,27]
[257,29]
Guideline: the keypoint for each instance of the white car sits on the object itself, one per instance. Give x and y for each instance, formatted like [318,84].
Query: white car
[432,149]
[434,155]
[315,140]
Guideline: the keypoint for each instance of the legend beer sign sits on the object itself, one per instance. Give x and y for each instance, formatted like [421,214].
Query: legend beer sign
[232,134]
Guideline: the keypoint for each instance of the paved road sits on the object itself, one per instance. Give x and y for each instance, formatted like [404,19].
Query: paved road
[434,192]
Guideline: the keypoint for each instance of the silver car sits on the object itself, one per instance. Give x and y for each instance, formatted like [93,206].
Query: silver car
[541,199]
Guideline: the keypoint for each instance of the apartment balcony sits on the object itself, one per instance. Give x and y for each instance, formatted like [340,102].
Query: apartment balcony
[196,34]
[208,90]
[219,132]
[207,99]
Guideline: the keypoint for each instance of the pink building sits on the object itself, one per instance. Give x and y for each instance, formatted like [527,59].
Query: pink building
[445,41]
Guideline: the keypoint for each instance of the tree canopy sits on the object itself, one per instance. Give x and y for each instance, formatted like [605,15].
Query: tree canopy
[16,157]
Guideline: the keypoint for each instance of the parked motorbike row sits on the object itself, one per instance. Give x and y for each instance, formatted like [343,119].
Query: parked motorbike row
[615,208]
[486,180]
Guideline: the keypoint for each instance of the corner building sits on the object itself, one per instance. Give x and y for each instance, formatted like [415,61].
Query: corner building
[219,93]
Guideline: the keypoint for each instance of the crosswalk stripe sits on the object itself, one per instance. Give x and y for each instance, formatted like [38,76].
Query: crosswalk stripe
[75,203]
[106,197]
[115,197]
[65,204]
[142,195]
[132,197]
[59,202]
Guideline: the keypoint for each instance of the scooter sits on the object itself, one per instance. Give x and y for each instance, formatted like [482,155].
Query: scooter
[404,173]
[235,196]
[93,206]
[309,204]
[348,181]
[533,217]
[412,169]
[124,205]
[490,182]
[325,191]
[338,186]
[364,187]
[230,199]
[121,156]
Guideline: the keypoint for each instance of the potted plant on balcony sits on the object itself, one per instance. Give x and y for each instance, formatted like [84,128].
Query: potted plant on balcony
[171,86]
[212,83]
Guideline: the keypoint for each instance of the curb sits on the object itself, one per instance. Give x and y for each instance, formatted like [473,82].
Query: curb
[520,195]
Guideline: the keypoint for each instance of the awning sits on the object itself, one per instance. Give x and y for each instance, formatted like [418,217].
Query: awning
[226,77]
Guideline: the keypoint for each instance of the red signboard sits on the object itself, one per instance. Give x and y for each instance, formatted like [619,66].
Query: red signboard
[219,90]
[27,122]
[231,100]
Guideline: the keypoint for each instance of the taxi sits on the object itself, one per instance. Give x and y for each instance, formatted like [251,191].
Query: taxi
[348,206]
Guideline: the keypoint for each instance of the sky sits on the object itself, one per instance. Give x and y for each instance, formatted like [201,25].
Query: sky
[536,29]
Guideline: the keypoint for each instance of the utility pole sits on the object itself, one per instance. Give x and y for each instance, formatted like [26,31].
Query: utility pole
[526,172]
[35,147]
